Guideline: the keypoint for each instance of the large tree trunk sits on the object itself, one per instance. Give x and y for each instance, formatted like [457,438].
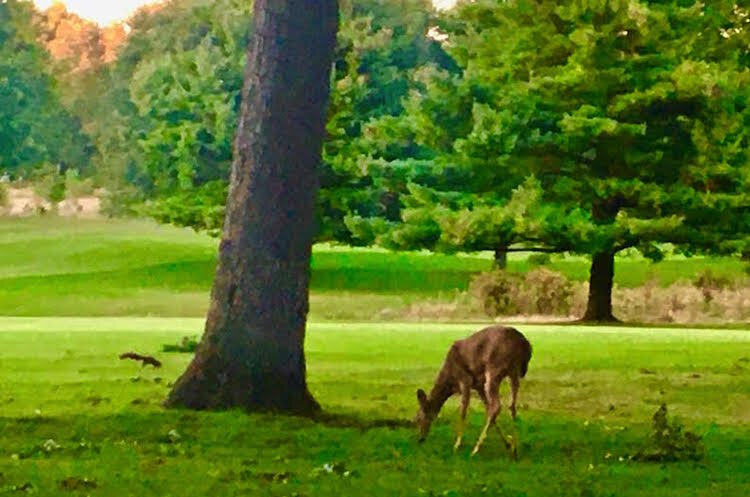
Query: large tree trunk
[599,307]
[251,354]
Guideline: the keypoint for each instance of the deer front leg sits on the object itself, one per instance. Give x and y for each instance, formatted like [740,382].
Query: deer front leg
[492,396]
[465,397]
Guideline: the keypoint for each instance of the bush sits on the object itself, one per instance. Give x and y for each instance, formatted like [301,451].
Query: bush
[3,195]
[539,260]
[541,291]
[77,187]
[49,184]
[495,292]
[709,283]
[707,279]
[125,201]
[669,443]
[547,292]
[187,345]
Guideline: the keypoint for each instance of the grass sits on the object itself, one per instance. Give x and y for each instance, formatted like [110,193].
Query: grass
[66,267]
[73,416]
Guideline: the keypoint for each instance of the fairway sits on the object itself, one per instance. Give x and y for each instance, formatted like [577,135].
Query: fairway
[70,411]
[66,267]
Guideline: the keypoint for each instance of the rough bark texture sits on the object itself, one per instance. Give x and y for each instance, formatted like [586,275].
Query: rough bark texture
[251,354]
[599,307]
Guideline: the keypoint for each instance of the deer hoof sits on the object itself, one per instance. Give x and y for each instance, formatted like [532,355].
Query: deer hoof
[457,445]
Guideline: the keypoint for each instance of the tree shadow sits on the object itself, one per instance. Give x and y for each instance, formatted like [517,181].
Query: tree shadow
[154,419]
[348,420]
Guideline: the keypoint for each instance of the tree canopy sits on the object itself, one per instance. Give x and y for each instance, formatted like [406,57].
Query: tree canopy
[584,128]
[34,126]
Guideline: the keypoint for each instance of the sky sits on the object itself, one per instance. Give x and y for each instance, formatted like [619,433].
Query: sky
[103,12]
[107,11]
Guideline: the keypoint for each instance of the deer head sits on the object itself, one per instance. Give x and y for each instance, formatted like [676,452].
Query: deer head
[425,415]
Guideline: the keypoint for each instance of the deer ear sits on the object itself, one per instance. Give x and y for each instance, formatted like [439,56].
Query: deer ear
[421,397]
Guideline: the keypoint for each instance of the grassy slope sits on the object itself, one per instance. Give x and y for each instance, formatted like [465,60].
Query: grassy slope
[53,267]
[589,393]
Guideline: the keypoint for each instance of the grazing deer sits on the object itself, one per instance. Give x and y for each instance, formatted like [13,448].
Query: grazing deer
[479,362]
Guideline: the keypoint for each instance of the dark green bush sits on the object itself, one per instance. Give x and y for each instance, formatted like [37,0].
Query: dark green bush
[539,259]
[187,345]
[670,442]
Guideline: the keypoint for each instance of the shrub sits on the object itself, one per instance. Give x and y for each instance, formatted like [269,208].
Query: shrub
[77,187]
[709,283]
[187,345]
[495,292]
[547,292]
[124,201]
[49,184]
[707,279]
[539,260]
[3,195]
[669,442]
[541,291]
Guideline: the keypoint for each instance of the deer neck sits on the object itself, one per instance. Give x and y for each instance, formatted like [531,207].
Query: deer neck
[441,392]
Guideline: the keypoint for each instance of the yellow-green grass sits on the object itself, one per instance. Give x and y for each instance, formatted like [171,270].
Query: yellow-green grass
[586,403]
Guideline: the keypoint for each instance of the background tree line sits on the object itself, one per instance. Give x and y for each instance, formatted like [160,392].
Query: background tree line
[586,128]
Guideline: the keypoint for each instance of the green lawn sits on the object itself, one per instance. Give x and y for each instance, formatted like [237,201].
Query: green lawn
[65,267]
[71,413]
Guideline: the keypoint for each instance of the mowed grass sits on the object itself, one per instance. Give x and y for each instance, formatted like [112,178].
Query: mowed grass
[72,414]
[66,267]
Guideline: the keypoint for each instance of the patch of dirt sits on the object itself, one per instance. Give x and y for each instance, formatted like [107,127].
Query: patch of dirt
[24,202]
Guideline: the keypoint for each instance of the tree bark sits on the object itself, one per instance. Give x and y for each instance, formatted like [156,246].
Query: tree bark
[501,257]
[599,307]
[251,354]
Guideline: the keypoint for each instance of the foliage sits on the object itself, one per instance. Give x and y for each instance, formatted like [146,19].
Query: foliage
[495,292]
[3,195]
[186,345]
[538,292]
[669,443]
[572,127]
[539,259]
[201,208]
[34,126]
[175,90]
[707,279]
[550,292]
[49,183]
[76,186]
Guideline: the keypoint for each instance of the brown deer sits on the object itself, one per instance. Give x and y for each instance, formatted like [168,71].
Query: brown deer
[479,362]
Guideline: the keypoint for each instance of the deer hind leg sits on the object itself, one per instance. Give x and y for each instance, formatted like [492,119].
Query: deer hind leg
[465,397]
[514,384]
[492,405]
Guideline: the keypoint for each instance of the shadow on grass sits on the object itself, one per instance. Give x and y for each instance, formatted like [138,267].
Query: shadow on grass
[348,420]
[132,420]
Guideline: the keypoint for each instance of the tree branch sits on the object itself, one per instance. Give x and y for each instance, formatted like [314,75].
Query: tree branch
[625,245]
[546,250]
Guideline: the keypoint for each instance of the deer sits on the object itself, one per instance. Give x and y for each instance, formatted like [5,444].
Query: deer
[479,362]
